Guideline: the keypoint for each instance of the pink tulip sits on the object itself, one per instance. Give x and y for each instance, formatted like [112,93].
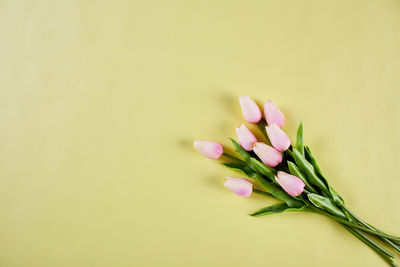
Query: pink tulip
[273,115]
[251,111]
[279,139]
[293,185]
[209,149]
[239,186]
[246,137]
[268,155]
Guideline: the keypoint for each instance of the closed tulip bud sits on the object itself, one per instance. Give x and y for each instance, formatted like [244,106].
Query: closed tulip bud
[293,185]
[239,186]
[246,137]
[209,149]
[273,115]
[268,155]
[279,139]
[251,111]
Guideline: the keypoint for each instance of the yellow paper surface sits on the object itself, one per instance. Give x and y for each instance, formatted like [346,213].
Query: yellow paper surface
[100,102]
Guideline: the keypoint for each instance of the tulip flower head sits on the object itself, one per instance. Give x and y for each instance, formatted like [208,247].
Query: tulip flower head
[268,155]
[251,111]
[273,115]
[279,139]
[293,185]
[246,137]
[209,149]
[239,186]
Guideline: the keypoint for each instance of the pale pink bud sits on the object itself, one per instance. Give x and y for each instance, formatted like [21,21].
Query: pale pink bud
[273,115]
[239,186]
[268,155]
[209,149]
[293,185]
[246,137]
[251,111]
[279,139]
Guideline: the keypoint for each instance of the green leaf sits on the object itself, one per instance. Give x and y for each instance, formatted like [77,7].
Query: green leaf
[309,171]
[243,153]
[262,193]
[294,170]
[278,192]
[229,156]
[251,162]
[272,189]
[257,173]
[277,208]
[241,167]
[299,140]
[290,153]
[336,197]
[312,160]
[263,169]
[325,204]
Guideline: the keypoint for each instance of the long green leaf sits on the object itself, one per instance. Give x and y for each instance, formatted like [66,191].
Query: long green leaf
[325,204]
[241,167]
[243,153]
[299,140]
[262,192]
[253,163]
[263,169]
[308,169]
[312,160]
[277,208]
[294,170]
[278,192]
[336,197]
[271,188]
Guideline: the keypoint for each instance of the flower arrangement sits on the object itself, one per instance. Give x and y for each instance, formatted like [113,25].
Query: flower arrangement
[289,174]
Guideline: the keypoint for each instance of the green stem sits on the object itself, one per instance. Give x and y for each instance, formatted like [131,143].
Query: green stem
[261,126]
[357,233]
[386,255]
[396,247]
[369,242]
[348,216]
[355,225]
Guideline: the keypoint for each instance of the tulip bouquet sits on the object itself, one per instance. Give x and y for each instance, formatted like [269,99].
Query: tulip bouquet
[288,173]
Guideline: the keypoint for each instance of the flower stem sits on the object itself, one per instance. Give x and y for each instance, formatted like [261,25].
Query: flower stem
[369,242]
[261,126]
[386,255]
[388,241]
[353,225]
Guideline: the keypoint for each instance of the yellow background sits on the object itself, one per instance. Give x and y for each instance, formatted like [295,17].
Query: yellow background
[100,102]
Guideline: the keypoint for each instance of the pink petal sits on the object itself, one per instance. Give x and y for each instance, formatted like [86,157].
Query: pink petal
[279,139]
[273,115]
[246,137]
[268,155]
[251,111]
[293,185]
[209,149]
[239,186]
